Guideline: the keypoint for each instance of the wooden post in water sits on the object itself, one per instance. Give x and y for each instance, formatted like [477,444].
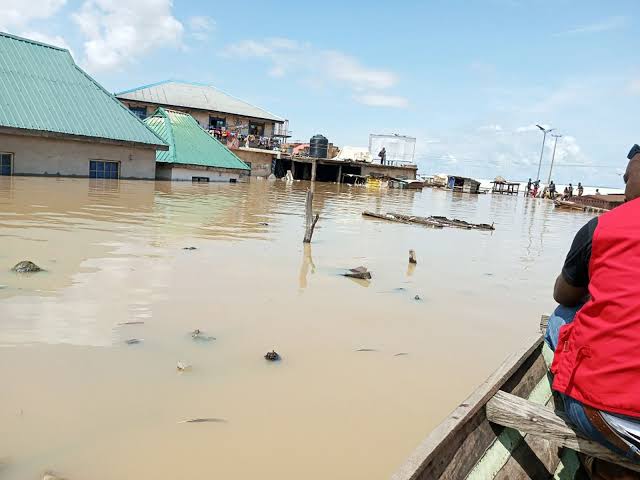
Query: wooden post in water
[310,221]
[314,168]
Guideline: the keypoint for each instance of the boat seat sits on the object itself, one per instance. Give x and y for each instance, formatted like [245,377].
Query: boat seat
[530,418]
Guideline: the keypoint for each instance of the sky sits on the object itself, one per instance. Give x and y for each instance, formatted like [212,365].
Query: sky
[468,79]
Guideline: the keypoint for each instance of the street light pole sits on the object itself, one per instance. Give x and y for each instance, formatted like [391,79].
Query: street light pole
[553,156]
[544,139]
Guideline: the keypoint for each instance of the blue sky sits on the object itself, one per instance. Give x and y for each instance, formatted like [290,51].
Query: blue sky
[468,79]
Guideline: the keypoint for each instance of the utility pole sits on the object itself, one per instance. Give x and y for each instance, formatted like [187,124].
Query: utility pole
[544,139]
[553,156]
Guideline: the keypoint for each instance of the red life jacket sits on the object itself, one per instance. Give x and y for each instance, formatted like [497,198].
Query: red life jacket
[597,360]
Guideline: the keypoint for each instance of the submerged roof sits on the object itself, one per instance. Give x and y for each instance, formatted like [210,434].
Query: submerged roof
[195,95]
[43,90]
[188,143]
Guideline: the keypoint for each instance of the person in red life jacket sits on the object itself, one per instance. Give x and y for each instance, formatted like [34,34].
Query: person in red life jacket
[595,332]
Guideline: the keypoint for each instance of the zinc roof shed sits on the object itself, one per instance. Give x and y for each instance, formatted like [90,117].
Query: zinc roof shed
[188,143]
[171,93]
[43,92]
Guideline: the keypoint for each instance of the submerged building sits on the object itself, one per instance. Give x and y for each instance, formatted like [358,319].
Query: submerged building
[56,120]
[193,154]
[253,133]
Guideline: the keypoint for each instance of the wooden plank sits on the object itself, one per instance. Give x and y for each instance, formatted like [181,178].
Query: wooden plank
[498,461]
[467,423]
[514,412]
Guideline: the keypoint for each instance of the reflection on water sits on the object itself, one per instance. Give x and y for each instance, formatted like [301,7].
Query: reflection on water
[78,399]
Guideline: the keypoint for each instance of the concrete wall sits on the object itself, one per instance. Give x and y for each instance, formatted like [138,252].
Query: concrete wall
[408,173]
[52,156]
[164,172]
[260,161]
[203,117]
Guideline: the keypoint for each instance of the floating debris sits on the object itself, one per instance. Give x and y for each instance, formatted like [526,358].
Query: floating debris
[272,356]
[199,335]
[366,350]
[133,322]
[417,298]
[183,367]
[52,476]
[264,224]
[26,266]
[434,221]
[401,354]
[204,420]
[133,341]
[190,248]
[359,272]
[412,257]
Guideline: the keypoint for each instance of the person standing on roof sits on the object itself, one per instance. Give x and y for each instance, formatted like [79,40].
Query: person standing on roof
[552,190]
[580,189]
[595,332]
[528,190]
[570,190]
[383,155]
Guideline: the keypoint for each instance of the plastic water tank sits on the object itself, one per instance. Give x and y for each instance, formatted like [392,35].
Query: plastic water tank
[318,146]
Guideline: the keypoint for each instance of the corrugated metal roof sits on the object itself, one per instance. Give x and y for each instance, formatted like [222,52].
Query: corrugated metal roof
[42,89]
[194,95]
[188,143]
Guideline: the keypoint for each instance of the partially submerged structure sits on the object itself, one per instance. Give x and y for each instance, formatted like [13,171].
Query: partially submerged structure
[193,154]
[56,120]
[502,186]
[252,132]
[463,184]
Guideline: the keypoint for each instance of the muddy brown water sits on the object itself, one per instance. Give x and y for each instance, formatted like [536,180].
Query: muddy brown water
[77,399]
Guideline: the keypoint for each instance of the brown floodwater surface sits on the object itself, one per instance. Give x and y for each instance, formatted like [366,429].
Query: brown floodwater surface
[77,399]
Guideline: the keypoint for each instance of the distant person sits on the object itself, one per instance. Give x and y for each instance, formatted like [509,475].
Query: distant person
[565,195]
[597,191]
[536,186]
[595,331]
[552,190]
[528,191]
[570,187]
[383,155]
[580,189]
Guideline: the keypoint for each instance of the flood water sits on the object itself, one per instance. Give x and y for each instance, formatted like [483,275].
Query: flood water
[77,399]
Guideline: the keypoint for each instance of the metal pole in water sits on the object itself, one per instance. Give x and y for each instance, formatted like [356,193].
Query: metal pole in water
[553,156]
[544,138]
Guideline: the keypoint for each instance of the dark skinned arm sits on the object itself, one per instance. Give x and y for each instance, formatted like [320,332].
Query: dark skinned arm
[568,295]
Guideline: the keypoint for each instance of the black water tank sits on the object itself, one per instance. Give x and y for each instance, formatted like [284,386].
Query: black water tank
[318,147]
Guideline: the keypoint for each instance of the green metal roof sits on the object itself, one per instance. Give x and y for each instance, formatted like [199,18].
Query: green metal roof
[43,90]
[188,143]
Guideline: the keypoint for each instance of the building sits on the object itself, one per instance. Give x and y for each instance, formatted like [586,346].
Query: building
[193,154]
[253,133]
[56,120]
[463,184]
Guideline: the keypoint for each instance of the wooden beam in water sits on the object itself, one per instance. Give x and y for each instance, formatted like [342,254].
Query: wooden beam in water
[528,418]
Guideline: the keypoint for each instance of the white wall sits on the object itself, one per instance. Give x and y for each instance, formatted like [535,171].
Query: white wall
[187,174]
[52,156]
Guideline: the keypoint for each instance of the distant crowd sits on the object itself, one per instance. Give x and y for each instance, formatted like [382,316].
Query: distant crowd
[550,191]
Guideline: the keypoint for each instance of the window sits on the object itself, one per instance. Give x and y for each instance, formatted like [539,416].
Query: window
[140,112]
[6,159]
[217,123]
[256,129]
[101,169]
[200,179]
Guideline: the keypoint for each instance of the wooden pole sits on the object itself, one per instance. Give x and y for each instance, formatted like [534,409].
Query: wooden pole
[314,167]
[310,221]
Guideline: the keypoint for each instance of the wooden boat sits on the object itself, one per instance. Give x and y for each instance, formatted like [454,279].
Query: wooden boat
[507,429]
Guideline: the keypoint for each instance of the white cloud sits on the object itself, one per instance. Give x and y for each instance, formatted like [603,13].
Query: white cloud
[116,33]
[378,100]
[611,23]
[18,13]
[634,86]
[200,26]
[319,67]
[490,128]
